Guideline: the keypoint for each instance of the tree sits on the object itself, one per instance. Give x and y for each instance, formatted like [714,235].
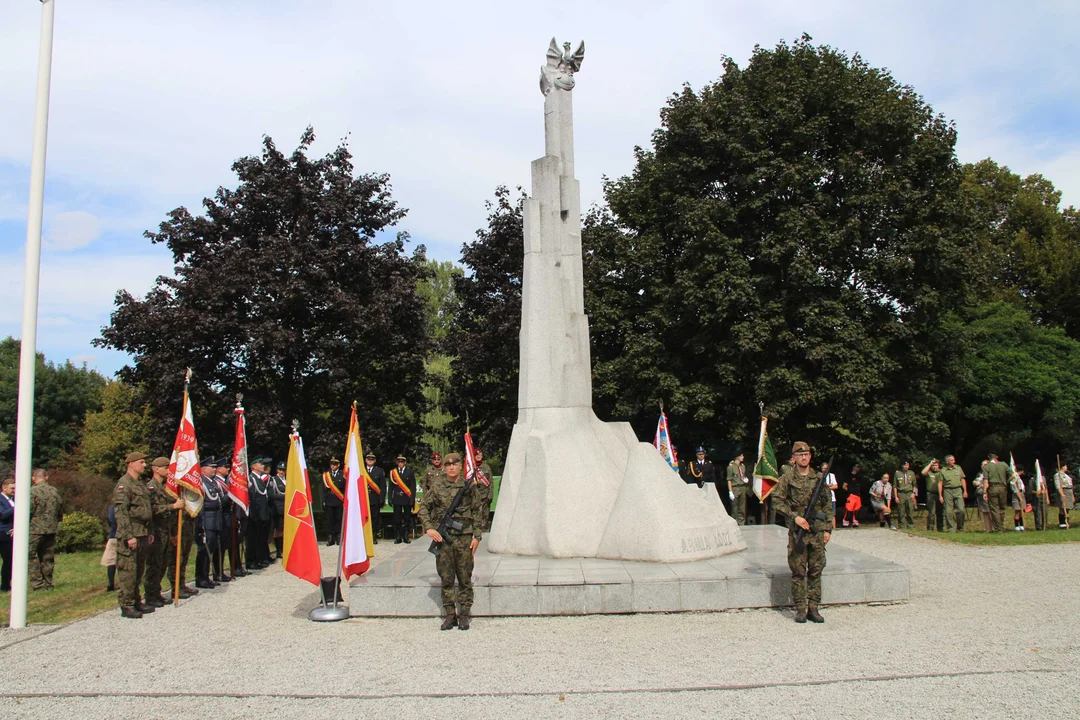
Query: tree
[63,394]
[120,427]
[440,300]
[282,292]
[437,293]
[484,338]
[795,236]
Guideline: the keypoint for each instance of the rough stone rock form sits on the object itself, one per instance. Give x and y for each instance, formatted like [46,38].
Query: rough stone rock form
[574,486]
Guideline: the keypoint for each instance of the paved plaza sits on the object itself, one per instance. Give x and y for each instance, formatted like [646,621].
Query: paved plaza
[988,632]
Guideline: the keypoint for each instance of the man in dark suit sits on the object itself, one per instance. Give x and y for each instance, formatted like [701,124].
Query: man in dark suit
[258,540]
[333,500]
[376,498]
[402,491]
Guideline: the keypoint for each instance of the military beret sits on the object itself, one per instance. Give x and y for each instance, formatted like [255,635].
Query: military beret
[334,461]
[135,457]
[160,462]
[435,456]
[799,447]
[402,458]
[452,458]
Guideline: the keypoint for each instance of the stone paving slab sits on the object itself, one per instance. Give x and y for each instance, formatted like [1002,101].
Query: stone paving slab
[407,585]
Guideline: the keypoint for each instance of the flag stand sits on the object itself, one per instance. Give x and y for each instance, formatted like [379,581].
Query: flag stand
[335,612]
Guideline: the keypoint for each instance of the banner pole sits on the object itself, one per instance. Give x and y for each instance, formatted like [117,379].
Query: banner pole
[179,539]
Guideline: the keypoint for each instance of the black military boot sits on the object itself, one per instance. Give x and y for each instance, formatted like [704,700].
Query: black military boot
[463,618]
[155,601]
[449,621]
[130,612]
[144,608]
[813,615]
[800,615]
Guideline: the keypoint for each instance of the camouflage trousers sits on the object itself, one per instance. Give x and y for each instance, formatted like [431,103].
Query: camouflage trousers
[904,511]
[130,566]
[738,505]
[998,497]
[806,561]
[455,564]
[41,560]
[156,561]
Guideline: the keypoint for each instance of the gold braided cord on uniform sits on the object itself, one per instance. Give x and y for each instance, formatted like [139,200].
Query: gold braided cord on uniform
[695,474]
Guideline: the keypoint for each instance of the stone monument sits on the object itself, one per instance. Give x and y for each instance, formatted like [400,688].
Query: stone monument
[574,486]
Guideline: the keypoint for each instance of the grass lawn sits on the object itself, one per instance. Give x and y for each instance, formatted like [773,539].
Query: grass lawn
[79,590]
[975,534]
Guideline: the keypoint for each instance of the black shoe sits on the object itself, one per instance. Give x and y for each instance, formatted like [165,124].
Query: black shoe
[449,621]
[463,620]
[800,615]
[130,612]
[108,588]
[407,541]
[223,579]
[204,584]
[813,615]
[155,601]
[144,608]
[396,542]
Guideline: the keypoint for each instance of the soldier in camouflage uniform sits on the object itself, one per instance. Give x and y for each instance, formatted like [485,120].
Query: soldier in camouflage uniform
[455,560]
[806,559]
[45,512]
[134,515]
[904,496]
[164,508]
[487,490]
[435,469]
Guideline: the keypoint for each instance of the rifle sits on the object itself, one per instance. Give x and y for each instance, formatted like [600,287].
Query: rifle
[448,522]
[799,532]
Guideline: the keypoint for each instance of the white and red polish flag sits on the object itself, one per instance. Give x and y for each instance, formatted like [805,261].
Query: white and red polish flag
[238,474]
[472,472]
[184,472]
[356,540]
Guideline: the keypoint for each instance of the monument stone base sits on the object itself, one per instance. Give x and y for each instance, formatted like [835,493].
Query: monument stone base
[406,584]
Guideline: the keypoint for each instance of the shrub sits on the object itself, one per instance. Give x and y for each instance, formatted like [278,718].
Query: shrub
[79,531]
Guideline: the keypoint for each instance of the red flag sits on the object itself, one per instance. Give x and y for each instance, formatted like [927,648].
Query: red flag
[471,470]
[356,541]
[238,475]
[184,471]
[301,549]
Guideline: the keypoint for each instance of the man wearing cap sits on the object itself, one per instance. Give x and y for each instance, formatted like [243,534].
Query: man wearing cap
[46,509]
[376,495]
[454,561]
[207,525]
[402,491]
[699,470]
[276,490]
[952,492]
[486,485]
[333,500]
[258,535]
[738,485]
[164,509]
[904,496]
[134,515]
[807,558]
[224,468]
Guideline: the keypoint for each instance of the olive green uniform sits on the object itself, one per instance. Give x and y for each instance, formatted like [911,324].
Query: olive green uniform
[134,516]
[736,474]
[997,475]
[952,497]
[45,510]
[806,559]
[933,505]
[157,556]
[455,560]
[904,508]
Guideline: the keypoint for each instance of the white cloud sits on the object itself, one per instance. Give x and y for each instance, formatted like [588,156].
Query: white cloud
[71,231]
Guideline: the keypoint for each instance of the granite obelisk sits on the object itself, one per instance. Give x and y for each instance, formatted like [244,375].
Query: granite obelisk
[574,486]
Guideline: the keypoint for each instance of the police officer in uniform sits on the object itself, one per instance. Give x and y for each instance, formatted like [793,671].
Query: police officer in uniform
[332,493]
[376,498]
[807,558]
[402,491]
[258,536]
[276,490]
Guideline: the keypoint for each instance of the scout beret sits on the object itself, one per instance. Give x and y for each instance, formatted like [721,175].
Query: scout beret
[800,447]
[135,457]
[452,458]
[160,462]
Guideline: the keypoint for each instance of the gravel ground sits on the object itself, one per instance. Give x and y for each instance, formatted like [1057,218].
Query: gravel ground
[975,641]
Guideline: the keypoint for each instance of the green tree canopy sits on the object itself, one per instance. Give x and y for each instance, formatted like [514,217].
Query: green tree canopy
[120,427]
[283,292]
[794,236]
[63,394]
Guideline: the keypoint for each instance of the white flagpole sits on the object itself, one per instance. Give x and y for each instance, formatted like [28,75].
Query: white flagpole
[28,352]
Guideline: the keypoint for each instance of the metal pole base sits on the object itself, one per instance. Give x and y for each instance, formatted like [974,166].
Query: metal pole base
[329,613]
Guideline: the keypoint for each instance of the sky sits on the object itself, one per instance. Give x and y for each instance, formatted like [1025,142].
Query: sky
[152,101]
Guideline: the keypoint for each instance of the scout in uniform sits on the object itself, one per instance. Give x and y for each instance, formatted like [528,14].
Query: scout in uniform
[738,486]
[1063,484]
[952,492]
[402,490]
[376,494]
[933,505]
[333,500]
[46,508]
[455,560]
[904,490]
[998,475]
[807,558]
[164,509]
[134,515]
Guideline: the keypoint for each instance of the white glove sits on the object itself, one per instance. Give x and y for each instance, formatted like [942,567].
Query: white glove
[731,494]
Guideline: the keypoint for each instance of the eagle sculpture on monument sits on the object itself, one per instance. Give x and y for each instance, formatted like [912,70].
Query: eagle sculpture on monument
[561,66]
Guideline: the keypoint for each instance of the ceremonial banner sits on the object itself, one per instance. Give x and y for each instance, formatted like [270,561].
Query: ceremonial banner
[185,476]
[1040,481]
[472,472]
[357,544]
[238,475]
[301,548]
[766,474]
[662,442]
